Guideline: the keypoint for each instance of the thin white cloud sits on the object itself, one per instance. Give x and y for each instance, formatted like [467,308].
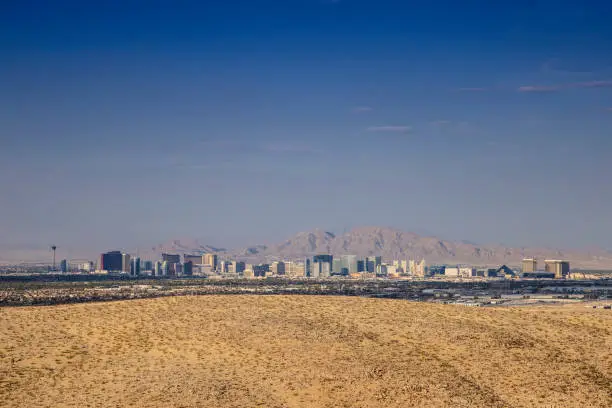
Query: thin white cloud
[199,166]
[557,66]
[554,88]
[593,84]
[454,127]
[281,148]
[220,143]
[440,122]
[538,88]
[473,89]
[362,109]
[390,129]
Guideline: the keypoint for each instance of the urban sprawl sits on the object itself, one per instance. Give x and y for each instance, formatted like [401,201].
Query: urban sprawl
[318,266]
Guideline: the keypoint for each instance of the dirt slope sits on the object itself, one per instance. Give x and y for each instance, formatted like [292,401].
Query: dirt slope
[279,351]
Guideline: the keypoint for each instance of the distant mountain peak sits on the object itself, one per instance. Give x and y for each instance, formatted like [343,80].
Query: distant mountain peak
[392,243]
[186,245]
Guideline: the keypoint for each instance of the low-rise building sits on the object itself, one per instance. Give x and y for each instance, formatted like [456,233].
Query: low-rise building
[467,272]
[451,271]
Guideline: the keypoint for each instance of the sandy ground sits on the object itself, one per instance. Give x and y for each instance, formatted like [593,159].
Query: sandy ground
[296,351]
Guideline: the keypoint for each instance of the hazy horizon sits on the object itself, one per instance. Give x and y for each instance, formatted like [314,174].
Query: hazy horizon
[245,122]
[86,250]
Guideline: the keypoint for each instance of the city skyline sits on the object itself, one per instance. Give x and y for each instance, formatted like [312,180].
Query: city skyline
[124,125]
[322,265]
[363,242]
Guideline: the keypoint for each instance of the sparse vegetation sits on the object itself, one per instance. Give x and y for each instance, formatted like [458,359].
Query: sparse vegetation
[298,351]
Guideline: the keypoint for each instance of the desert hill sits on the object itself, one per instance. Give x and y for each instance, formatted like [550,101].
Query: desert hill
[296,351]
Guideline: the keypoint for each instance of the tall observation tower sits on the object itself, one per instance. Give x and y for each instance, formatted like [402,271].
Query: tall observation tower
[53,248]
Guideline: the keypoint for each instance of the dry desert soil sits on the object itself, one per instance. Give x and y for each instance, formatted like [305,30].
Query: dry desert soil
[299,351]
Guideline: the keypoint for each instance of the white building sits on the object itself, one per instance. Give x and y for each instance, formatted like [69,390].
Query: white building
[451,271]
[320,270]
[412,267]
[420,268]
[467,272]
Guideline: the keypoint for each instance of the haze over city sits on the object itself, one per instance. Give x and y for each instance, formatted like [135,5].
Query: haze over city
[125,125]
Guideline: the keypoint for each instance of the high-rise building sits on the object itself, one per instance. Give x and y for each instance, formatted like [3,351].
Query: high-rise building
[63,266]
[147,265]
[323,258]
[320,270]
[307,267]
[238,267]
[381,270]
[157,269]
[561,269]
[421,268]
[188,268]
[372,262]
[111,261]
[125,263]
[530,265]
[135,267]
[224,267]
[349,262]
[171,258]
[211,260]
[337,266]
[360,265]
[412,269]
[165,268]
[294,269]
[315,270]
[278,268]
[299,269]
[261,270]
[177,269]
[194,259]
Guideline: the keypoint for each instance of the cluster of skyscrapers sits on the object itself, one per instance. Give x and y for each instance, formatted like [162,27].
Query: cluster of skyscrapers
[552,268]
[169,265]
[317,266]
[348,265]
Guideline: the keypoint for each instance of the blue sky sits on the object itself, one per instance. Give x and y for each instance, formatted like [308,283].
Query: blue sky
[129,123]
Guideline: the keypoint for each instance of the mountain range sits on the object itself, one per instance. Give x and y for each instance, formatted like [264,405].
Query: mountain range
[392,244]
[363,241]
